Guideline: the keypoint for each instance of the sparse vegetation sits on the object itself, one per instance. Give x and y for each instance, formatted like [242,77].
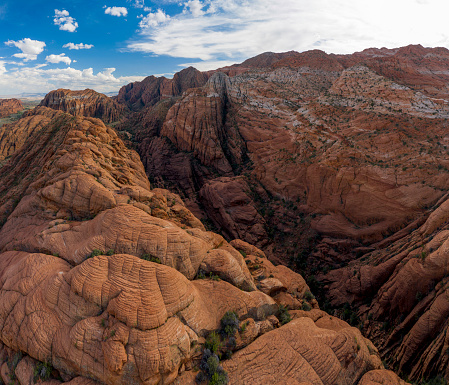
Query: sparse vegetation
[42,371]
[150,258]
[229,324]
[95,253]
[284,315]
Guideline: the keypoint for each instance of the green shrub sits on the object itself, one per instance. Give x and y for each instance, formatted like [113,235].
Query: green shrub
[42,371]
[284,315]
[305,306]
[229,324]
[211,369]
[150,258]
[95,252]
[308,295]
[213,342]
[110,252]
[219,378]
[243,327]
[201,274]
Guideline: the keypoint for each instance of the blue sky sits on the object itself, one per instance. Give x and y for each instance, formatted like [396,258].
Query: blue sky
[104,44]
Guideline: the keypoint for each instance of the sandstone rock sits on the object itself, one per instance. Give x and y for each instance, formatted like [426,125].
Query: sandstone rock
[231,209]
[152,90]
[319,356]
[375,377]
[84,103]
[10,106]
[13,136]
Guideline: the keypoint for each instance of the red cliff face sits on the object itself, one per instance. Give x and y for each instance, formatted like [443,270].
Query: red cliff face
[9,106]
[85,103]
[152,89]
[318,158]
[325,139]
[104,279]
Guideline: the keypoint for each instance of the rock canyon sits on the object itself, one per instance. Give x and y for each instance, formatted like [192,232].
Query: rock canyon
[180,231]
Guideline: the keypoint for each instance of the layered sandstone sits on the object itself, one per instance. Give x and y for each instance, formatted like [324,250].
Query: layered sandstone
[10,106]
[403,288]
[324,139]
[318,159]
[98,273]
[84,103]
[153,89]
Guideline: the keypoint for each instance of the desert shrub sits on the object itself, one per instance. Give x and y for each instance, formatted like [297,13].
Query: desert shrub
[220,377]
[211,369]
[95,252]
[213,342]
[308,295]
[305,306]
[201,274]
[214,277]
[150,258]
[229,324]
[284,315]
[42,371]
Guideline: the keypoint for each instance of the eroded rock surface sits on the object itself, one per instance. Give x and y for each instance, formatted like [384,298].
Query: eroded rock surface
[10,106]
[332,143]
[99,272]
[84,103]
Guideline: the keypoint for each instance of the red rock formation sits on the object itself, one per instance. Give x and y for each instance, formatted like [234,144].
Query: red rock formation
[324,139]
[403,288]
[9,106]
[152,89]
[339,155]
[97,276]
[84,103]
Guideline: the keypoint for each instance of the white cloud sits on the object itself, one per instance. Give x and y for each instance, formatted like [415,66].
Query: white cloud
[238,29]
[139,4]
[61,58]
[77,46]
[39,80]
[65,21]
[116,11]
[195,7]
[30,48]
[154,19]
[2,68]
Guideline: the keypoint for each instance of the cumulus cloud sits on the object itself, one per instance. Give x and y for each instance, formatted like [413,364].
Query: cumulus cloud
[116,11]
[213,30]
[40,80]
[2,67]
[61,58]
[195,7]
[65,21]
[30,48]
[77,46]
[138,3]
[154,19]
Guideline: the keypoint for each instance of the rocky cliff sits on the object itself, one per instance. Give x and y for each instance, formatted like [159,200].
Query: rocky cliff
[318,159]
[9,106]
[321,137]
[106,279]
[153,89]
[85,103]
